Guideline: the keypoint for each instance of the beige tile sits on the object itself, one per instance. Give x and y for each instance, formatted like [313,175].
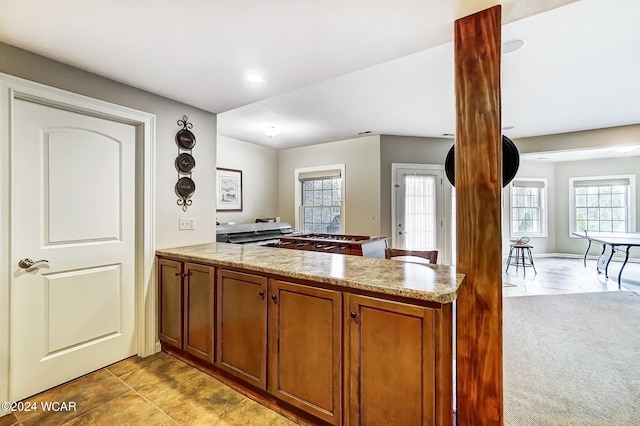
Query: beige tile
[8,420]
[87,392]
[134,363]
[201,400]
[164,371]
[128,409]
[250,413]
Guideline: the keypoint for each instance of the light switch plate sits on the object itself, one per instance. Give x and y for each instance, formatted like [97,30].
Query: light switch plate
[187,223]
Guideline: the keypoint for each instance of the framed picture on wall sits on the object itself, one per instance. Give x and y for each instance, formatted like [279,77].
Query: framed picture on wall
[229,190]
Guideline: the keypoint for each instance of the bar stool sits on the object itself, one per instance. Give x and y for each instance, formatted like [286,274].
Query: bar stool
[517,255]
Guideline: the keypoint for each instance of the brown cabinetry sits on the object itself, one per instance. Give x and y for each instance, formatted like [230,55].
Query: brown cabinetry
[186,306]
[242,326]
[325,355]
[284,338]
[305,348]
[391,356]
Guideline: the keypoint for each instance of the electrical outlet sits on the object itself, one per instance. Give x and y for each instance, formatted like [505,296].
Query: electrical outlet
[187,223]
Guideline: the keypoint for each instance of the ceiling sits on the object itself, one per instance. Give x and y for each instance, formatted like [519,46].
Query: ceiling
[335,68]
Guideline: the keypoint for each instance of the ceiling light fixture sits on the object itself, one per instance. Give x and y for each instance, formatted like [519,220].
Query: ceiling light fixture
[254,78]
[270,131]
[512,45]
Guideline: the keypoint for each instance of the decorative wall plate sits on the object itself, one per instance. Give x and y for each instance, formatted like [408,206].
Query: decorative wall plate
[185,139]
[185,162]
[185,187]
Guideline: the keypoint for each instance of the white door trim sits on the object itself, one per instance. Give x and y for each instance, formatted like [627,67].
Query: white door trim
[13,87]
[445,207]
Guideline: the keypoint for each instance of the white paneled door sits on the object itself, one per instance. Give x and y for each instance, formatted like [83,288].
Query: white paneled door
[418,207]
[73,214]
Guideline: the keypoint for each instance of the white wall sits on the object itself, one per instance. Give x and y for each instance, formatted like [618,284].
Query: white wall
[36,68]
[361,157]
[22,64]
[558,195]
[532,169]
[259,167]
[597,138]
[406,149]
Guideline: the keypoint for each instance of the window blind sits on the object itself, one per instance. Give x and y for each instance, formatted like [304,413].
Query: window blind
[319,174]
[528,184]
[602,182]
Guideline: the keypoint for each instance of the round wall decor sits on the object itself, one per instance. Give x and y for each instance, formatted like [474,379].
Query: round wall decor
[185,139]
[185,187]
[185,162]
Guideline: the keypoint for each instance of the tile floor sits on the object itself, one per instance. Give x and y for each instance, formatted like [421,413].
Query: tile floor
[557,275]
[160,390]
[157,390]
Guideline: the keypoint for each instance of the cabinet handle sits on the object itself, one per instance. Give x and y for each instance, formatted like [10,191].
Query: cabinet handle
[178,274]
[261,292]
[353,314]
[273,297]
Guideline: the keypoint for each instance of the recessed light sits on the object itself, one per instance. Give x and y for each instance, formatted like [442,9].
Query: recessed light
[254,78]
[366,132]
[508,128]
[512,45]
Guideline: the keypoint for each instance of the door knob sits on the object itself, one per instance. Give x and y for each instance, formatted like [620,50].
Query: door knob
[27,263]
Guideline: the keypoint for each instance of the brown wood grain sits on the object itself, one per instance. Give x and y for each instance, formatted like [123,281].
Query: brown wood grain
[198,310]
[478,194]
[241,341]
[170,302]
[305,348]
[390,354]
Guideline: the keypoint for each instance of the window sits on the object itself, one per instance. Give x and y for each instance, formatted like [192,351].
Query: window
[319,197]
[528,212]
[603,204]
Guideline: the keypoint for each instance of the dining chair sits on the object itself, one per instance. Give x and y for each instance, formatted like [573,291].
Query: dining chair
[406,255]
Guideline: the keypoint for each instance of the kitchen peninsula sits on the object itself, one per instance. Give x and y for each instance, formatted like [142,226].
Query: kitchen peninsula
[322,338]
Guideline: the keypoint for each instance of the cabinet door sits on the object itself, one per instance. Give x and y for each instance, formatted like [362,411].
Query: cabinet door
[242,326]
[305,348]
[391,361]
[198,310]
[170,302]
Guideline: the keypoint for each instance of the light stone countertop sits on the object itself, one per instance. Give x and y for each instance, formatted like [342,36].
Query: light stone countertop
[433,283]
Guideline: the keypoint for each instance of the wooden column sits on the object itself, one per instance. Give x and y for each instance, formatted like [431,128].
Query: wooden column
[478,193]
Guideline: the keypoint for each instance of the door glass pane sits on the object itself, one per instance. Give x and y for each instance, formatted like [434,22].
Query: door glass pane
[420,212]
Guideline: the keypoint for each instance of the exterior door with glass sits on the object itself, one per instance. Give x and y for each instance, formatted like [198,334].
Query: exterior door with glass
[417,207]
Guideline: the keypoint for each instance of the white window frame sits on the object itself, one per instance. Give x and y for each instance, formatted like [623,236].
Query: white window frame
[631,210]
[543,207]
[329,169]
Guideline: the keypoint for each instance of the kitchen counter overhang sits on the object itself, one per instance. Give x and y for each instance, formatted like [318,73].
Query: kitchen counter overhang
[430,283]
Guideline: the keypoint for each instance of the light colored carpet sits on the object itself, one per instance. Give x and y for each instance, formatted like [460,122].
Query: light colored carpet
[572,359]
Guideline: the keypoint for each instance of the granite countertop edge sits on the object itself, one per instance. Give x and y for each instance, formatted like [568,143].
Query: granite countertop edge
[431,283]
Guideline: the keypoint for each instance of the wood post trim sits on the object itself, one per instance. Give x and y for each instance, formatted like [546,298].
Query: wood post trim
[478,181]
